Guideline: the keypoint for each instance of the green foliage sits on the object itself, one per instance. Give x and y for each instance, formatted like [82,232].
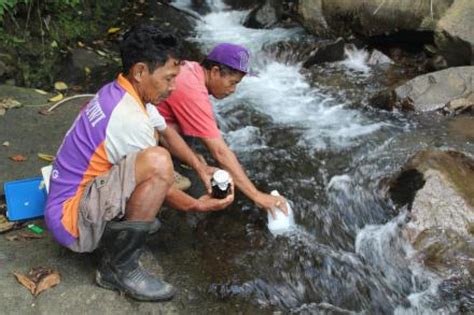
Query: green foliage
[7,5]
[37,35]
[11,5]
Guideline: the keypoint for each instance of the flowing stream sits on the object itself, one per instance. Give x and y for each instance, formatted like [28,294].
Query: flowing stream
[312,137]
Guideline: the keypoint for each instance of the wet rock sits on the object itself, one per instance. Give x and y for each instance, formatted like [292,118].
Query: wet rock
[200,6]
[443,250]
[378,58]
[454,34]
[461,126]
[243,4]
[311,16]
[179,22]
[384,100]
[309,51]
[450,21]
[429,92]
[438,188]
[326,52]
[460,105]
[82,58]
[82,63]
[265,15]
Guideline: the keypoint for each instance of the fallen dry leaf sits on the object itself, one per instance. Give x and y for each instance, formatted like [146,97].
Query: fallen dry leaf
[113,30]
[39,279]
[41,92]
[101,53]
[12,238]
[23,236]
[36,273]
[46,157]
[5,225]
[18,158]
[9,102]
[56,98]
[6,144]
[60,86]
[25,281]
[30,235]
[47,282]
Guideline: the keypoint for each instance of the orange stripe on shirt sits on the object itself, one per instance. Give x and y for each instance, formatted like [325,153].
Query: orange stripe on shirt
[124,83]
[98,165]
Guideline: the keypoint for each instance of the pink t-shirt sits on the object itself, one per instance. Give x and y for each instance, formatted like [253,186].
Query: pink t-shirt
[189,107]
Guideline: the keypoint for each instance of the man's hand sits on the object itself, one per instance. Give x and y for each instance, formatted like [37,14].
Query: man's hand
[179,200]
[207,203]
[269,203]
[205,172]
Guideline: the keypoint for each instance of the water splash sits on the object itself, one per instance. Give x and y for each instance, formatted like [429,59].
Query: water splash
[356,59]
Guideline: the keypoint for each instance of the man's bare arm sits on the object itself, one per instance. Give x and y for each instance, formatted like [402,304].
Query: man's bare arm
[228,161]
[181,201]
[180,149]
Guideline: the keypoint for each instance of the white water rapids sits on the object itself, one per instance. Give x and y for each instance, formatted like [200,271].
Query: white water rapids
[349,241]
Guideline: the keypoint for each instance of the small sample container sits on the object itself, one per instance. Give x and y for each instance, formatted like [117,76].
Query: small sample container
[220,184]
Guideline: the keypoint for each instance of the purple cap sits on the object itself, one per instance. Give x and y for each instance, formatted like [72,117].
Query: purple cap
[231,55]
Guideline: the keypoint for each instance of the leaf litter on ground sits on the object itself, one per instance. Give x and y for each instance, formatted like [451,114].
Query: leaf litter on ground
[18,158]
[60,86]
[23,236]
[8,103]
[38,279]
[46,157]
[41,92]
[56,98]
[5,225]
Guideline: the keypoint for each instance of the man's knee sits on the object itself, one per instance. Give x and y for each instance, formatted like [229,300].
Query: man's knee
[156,162]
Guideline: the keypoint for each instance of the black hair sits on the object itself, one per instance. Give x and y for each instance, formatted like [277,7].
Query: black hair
[225,70]
[148,44]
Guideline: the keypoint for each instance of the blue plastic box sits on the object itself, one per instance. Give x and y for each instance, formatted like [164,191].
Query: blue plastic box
[26,198]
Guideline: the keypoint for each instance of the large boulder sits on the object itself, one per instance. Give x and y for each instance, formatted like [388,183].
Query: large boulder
[437,187]
[454,34]
[371,17]
[265,15]
[200,6]
[450,20]
[446,89]
[243,4]
[308,51]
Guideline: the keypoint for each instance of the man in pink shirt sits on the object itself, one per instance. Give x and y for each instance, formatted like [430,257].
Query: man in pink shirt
[190,111]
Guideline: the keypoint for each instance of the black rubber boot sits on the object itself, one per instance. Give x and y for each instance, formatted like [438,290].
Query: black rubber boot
[155,226]
[119,269]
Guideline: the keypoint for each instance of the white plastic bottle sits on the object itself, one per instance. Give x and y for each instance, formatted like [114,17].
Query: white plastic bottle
[282,223]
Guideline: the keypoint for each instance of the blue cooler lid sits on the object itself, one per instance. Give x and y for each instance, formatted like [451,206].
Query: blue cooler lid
[26,198]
